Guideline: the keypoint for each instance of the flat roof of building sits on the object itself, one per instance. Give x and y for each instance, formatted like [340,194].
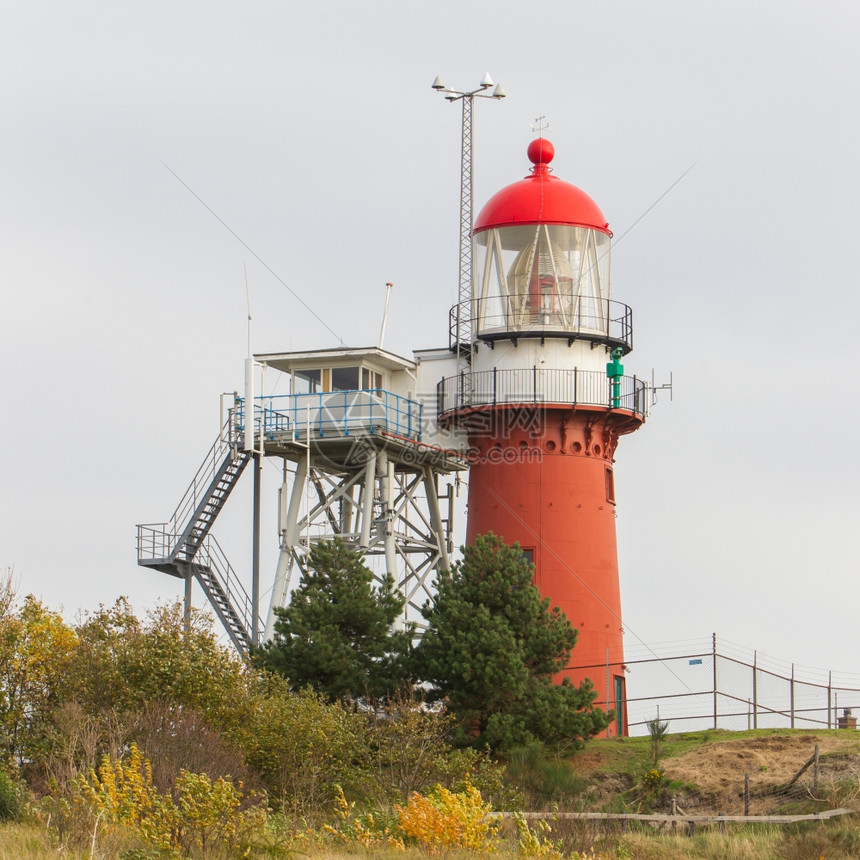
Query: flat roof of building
[343,356]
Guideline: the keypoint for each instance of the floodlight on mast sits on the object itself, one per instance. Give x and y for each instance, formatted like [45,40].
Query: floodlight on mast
[461,340]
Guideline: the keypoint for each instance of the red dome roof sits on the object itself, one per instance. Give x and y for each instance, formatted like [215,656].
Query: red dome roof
[541,199]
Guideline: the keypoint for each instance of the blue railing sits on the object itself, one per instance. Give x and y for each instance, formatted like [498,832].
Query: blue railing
[332,413]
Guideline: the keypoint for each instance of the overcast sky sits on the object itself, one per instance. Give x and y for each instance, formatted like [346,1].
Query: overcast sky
[313,132]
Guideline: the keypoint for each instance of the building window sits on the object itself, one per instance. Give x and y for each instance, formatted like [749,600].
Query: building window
[344,378]
[307,381]
[610,486]
[370,379]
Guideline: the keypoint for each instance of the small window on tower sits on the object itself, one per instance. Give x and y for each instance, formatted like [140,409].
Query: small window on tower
[610,486]
[529,555]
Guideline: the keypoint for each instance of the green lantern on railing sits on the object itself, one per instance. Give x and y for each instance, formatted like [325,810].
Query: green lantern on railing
[615,370]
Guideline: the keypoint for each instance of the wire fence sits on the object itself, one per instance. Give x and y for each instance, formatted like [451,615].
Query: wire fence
[715,683]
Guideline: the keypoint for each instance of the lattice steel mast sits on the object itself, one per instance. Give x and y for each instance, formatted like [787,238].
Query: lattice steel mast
[461,335]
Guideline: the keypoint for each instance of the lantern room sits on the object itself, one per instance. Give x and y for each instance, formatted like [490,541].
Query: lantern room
[541,251]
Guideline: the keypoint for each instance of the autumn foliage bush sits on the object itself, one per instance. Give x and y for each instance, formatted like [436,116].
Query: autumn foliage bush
[443,819]
[199,815]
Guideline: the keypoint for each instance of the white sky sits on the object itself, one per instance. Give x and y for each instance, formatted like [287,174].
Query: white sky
[313,132]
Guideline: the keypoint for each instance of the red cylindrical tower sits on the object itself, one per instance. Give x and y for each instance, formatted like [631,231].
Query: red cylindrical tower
[544,401]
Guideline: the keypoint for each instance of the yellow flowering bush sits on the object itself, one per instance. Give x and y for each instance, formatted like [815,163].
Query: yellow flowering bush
[653,779]
[364,830]
[444,819]
[535,842]
[200,815]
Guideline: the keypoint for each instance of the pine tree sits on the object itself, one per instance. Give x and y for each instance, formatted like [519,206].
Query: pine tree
[336,635]
[492,648]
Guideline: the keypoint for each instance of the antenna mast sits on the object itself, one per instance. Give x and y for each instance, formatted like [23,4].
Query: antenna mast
[462,335]
[388,286]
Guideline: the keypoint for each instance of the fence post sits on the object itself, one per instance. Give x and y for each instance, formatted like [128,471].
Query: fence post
[815,771]
[714,639]
[829,694]
[746,794]
[755,689]
[792,695]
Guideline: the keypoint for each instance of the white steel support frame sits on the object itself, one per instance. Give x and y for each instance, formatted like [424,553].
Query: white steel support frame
[382,509]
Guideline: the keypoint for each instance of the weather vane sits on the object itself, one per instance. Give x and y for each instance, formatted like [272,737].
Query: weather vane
[540,125]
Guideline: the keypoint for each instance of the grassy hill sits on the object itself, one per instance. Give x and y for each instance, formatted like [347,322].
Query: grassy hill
[709,771]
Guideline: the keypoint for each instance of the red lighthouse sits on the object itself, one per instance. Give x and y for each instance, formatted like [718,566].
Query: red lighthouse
[544,401]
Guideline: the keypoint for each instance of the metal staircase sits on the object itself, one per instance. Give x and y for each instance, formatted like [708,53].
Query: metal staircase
[225,592]
[183,545]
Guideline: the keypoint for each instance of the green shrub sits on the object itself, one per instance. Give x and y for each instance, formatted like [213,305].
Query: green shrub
[545,781]
[11,803]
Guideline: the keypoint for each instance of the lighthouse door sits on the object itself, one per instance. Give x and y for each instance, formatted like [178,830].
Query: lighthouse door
[619,705]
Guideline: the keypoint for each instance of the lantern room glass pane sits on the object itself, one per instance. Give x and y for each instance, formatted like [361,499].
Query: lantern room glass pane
[543,277]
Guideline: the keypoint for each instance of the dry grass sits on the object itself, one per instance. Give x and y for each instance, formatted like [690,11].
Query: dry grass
[832,840]
[774,759]
[27,842]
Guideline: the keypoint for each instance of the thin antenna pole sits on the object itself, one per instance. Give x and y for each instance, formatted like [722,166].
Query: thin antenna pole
[249,379]
[248,301]
[388,286]
[259,259]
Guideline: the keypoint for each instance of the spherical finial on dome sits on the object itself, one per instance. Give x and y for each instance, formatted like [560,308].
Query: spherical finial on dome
[541,151]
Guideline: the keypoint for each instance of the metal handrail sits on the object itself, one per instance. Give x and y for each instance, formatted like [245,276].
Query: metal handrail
[154,541]
[533,385]
[211,555]
[201,481]
[333,412]
[524,314]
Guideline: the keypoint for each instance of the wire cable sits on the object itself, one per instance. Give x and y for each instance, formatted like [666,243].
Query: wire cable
[257,257]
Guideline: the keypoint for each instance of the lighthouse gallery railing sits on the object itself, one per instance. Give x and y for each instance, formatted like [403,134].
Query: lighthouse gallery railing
[540,385]
[557,315]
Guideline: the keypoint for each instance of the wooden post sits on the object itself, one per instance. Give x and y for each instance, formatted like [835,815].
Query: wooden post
[792,695]
[829,695]
[815,771]
[755,689]
[746,794]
